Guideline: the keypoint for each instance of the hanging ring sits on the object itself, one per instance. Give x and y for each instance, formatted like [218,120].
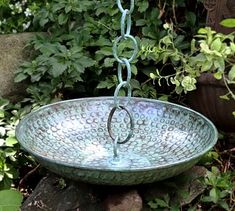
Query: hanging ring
[128,68]
[125,23]
[117,90]
[135,48]
[110,121]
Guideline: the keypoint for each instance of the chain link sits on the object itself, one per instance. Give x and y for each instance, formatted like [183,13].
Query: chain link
[124,63]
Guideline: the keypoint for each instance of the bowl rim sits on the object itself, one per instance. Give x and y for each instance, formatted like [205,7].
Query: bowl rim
[125,169]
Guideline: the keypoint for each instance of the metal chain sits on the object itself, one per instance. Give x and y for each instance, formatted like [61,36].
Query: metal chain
[123,63]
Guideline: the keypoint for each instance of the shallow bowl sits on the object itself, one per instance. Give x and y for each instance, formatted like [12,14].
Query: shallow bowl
[71,139]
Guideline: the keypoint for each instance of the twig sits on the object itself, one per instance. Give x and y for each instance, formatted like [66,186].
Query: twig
[27,175]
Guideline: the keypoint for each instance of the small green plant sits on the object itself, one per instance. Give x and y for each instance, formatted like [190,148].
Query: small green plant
[220,189]
[163,204]
[209,52]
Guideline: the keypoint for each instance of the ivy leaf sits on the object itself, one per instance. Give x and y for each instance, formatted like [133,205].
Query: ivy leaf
[10,200]
[231,74]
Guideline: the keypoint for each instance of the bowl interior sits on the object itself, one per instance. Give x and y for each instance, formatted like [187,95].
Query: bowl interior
[75,133]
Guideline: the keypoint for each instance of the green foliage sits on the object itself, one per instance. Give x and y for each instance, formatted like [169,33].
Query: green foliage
[209,52]
[163,204]
[75,56]
[10,154]
[220,188]
[17,16]
[10,200]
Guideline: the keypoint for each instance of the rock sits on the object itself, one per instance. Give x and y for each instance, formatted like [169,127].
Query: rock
[13,53]
[127,201]
[52,194]
[182,189]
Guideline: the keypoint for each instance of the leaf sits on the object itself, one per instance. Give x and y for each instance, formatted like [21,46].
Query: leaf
[232,46]
[206,66]
[224,97]
[20,77]
[143,6]
[2,113]
[218,75]
[2,131]
[228,22]
[216,44]
[43,21]
[161,203]
[108,62]
[231,73]
[11,141]
[214,194]
[191,18]
[134,69]
[58,69]
[202,31]
[224,205]
[62,19]
[153,205]
[10,200]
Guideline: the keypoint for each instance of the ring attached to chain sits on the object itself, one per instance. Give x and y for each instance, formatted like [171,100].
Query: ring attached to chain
[110,121]
[125,23]
[128,69]
[135,48]
[123,84]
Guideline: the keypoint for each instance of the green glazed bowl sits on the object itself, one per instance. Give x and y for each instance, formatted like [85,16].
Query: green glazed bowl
[71,139]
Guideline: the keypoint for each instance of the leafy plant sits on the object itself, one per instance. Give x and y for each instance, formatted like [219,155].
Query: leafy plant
[209,52]
[163,204]
[75,57]
[220,187]
[10,153]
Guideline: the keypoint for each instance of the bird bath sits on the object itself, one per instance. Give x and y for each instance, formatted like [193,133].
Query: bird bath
[114,140]
[71,139]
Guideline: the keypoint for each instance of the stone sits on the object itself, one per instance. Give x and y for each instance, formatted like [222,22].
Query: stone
[56,194]
[182,189]
[125,201]
[53,194]
[13,53]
